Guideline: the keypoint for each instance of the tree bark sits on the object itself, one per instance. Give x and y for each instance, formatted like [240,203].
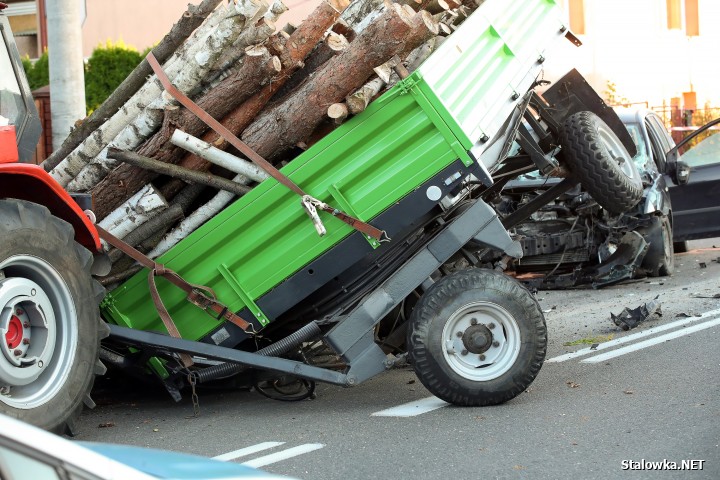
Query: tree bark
[281,127]
[133,213]
[94,144]
[202,56]
[190,20]
[126,179]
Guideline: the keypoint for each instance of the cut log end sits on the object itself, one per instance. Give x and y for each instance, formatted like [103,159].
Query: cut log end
[336,42]
[425,17]
[338,112]
[339,5]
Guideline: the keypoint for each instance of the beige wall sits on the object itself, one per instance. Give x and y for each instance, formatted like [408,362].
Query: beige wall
[139,23]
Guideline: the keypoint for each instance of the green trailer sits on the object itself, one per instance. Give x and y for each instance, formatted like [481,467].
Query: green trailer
[423,164]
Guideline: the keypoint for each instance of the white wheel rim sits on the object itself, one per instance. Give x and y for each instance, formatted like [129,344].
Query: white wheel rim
[616,151]
[38,332]
[479,361]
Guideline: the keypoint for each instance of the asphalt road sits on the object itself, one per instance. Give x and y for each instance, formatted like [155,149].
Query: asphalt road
[648,395]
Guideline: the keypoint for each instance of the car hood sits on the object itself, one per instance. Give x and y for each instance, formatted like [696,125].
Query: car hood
[177,466]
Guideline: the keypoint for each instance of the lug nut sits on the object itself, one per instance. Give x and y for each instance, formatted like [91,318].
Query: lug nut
[19,311]
[17,352]
[473,321]
[460,334]
[496,344]
[482,357]
[26,341]
[40,364]
[491,325]
[464,352]
[26,324]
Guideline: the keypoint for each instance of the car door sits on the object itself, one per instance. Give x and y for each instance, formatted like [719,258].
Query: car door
[696,206]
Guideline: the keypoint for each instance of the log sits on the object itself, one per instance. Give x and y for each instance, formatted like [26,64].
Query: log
[162,220]
[338,112]
[202,57]
[191,176]
[282,126]
[293,51]
[125,180]
[359,100]
[71,165]
[196,219]
[218,157]
[183,28]
[120,276]
[136,211]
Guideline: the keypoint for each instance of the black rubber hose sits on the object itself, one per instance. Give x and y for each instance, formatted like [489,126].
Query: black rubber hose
[309,331]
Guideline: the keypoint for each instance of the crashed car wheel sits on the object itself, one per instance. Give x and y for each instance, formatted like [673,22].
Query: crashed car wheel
[659,260]
[49,321]
[477,338]
[598,159]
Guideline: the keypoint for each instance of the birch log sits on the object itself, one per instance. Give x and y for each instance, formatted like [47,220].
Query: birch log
[197,219]
[125,180]
[190,20]
[136,211]
[71,165]
[283,126]
[218,157]
[202,59]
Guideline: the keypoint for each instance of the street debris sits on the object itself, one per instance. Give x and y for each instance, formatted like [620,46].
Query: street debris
[572,384]
[106,425]
[687,315]
[628,318]
[702,265]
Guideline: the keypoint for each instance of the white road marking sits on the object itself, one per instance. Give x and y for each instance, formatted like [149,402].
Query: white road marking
[243,452]
[653,341]
[634,336]
[411,409]
[283,455]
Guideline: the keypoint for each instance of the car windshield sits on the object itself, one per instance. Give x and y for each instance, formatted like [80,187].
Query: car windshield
[705,150]
[642,157]
[12,107]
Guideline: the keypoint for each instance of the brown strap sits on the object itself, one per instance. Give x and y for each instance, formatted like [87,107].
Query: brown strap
[199,295]
[221,130]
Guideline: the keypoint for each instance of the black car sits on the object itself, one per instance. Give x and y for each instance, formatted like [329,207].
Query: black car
[573,241]
[696,205]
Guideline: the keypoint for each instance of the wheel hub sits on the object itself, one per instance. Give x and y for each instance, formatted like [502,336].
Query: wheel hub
[477,339]
[26,319]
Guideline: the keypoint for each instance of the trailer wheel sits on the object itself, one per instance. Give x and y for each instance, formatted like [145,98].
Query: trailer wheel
[50,327]
[598,159]
[477,338]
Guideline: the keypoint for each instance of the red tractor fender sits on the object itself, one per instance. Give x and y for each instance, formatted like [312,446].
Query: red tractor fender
[30,182]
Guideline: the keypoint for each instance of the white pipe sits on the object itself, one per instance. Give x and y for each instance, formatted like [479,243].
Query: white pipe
[218,157]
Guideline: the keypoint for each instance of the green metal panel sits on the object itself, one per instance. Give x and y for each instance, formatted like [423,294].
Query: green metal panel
[373,161]
[473,76]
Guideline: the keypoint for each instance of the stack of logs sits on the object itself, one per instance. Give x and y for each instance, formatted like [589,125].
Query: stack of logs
[157,172]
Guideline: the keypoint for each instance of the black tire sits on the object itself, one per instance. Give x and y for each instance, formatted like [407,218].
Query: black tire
[600,162]
[659,260]
[488,307]
[681,247]
[49,297]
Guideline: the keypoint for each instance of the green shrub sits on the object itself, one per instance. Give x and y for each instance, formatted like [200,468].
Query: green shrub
[38,73]
[105,70]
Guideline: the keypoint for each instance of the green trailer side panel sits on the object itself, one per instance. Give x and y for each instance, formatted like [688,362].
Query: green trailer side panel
[373,161]
[473,76]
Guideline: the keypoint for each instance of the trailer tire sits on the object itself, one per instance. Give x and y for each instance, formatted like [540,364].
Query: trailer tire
[600,162]
[49,320]
[477,338]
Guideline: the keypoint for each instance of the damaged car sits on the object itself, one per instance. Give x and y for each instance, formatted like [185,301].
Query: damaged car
[592,238]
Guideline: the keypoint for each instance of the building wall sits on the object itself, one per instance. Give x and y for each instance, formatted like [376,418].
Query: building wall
[628,42]
[138,23]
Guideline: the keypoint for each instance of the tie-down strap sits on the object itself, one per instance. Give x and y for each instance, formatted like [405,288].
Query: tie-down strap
[199,295]
[258,160]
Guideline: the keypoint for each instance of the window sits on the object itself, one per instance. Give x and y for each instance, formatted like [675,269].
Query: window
[12,106]
[675,16]
[16,466]
[576,9]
